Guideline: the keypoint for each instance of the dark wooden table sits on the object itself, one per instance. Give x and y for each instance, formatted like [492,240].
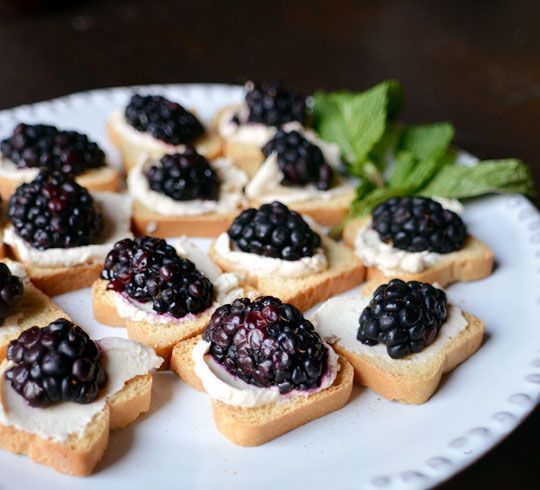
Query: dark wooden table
[476,64]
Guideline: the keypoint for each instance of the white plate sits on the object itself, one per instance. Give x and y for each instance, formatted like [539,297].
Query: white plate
[369,443]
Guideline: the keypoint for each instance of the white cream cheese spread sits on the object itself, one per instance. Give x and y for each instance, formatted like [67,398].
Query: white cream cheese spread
[391,260]
[259,265]
[231,193]
[10,171]
[336,321]
[116,213]
[223,386]
[122,360]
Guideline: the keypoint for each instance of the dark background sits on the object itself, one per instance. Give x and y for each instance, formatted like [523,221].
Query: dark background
[474,63]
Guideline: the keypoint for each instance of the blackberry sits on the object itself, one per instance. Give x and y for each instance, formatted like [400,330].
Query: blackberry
[267,343]
[274,231]
[184,177]
[11,290]
[270,104]
[56,363]
[300,161]
[405,316]
[149,269]
[419,224]
[42,146]
[53,211]
[163,119]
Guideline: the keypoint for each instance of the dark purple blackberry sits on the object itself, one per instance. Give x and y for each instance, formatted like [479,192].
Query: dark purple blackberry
[149,269]
[300,161]
[416,224]
[11,290]
[42,146]
[405,316]
[274,230]
[53,211]
[184,177]
[267,343]
[270,104]
[163,119]
[56,363]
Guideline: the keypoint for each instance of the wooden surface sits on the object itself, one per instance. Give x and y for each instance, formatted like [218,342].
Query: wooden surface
[476,64]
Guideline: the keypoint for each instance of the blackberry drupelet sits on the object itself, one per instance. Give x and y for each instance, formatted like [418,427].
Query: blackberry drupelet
[149,269]
[419,224]
[11,291]
[301,161]
[405,316]
[270,104]
[53,211]
[56,363]
[163,119]
[39,145]
[274,230]
[267,343]
[184,177]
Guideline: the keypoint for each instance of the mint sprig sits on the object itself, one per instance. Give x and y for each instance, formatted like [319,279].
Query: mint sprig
[392,160]
[357,122]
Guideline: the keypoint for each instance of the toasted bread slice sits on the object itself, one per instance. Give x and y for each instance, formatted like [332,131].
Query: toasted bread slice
[208,145]
[330,212]
[80,453]
[34,308]
[344,272]
[162,337]
[474,261]
[392,381]
[59,280]
[257,425]
[147,222]
[410,380]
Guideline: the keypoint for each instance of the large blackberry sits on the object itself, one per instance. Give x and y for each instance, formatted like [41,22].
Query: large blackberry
[301,161]
[149,269]
[405,316]
[416,224]
[56,363]
[11,290]
[163,119]
[53,211]
[274,230]
[270,104]
[267,343]
[184,177]
[39,145]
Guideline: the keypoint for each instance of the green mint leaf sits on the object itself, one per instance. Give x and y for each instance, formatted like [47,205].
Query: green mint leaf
[427,141]
[500,176]
[355,121]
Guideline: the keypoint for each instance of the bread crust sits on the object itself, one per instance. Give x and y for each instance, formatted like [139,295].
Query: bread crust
[59,280]
[209,145]
[148,222]
[474,261]
[99,179]
[258,425]
[80,453]
[344,272]
[386,379]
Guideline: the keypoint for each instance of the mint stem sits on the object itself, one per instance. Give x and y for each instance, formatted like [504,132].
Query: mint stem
[372,173]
